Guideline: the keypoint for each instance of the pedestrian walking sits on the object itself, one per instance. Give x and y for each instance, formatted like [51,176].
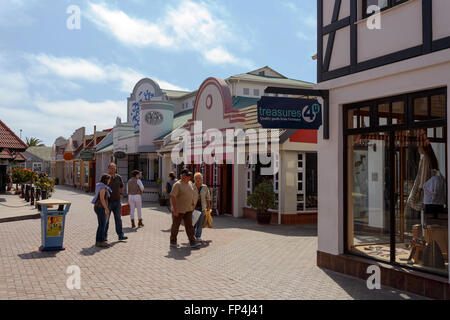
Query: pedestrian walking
[182,198]
[100,202]
[135,190]
[168,189]
[115,205]
[202,200]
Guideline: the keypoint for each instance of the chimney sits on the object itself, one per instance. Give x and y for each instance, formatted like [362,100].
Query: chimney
[95,136]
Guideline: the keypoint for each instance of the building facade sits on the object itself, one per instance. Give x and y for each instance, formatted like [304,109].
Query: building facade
[38,159]
[146,141]
[388,141]
[11,147]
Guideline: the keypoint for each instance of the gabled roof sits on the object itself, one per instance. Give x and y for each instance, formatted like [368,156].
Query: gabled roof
[271,80]
[243,102]
[8,139]
[44,153]
[267,68]
[106,142]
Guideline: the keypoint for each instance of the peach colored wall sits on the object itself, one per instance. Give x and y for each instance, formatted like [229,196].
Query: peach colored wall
[441,21]
[341,50]
[401,28]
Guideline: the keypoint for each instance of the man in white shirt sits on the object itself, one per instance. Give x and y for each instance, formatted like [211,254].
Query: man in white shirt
[135,191]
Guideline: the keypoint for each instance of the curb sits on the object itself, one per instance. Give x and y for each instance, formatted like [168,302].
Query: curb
[21,218]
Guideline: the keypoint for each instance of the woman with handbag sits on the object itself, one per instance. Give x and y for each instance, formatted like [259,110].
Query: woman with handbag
[100,202]
[202,200]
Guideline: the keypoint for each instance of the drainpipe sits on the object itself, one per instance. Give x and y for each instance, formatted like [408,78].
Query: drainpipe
[279,189]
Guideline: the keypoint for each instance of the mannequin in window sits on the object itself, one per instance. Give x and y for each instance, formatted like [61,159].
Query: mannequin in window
[427,164]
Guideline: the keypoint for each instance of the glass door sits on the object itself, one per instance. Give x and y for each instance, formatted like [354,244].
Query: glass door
[421,214]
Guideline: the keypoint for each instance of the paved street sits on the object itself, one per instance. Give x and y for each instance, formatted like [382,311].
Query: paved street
[242,261]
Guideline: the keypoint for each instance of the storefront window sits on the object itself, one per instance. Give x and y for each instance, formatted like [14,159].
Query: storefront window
[86,173]
[396,184]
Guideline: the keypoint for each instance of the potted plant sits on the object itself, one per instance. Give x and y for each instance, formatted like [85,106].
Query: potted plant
[161,199]
[263,199]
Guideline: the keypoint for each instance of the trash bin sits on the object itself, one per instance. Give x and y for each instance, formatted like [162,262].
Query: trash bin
[52,224]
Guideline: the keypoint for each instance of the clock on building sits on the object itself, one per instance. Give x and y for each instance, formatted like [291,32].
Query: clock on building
[154,118]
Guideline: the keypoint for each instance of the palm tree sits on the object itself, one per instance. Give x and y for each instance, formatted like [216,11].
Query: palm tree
[34,142]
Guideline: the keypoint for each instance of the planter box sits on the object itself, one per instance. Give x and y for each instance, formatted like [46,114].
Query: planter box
[287,219]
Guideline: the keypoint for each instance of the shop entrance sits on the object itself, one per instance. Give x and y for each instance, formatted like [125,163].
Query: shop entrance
[226,190]
[396,180]
[2,179]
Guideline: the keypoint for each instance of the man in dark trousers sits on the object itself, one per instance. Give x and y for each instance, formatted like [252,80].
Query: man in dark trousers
[182,198]
[115,206]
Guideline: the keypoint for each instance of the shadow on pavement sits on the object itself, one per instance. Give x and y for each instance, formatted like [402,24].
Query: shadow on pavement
[228,222]
[129,230]
[93,249]
[38,255]
[357,289]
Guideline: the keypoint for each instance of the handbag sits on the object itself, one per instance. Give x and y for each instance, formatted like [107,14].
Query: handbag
[208,223]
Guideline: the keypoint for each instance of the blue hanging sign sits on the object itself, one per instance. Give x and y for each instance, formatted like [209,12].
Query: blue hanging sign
[289,113]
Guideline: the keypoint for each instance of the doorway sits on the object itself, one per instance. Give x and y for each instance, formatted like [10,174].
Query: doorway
[226,179]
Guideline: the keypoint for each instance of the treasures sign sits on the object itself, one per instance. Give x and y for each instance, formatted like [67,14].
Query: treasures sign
[289,113]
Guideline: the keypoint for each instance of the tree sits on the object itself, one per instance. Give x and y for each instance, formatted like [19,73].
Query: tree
[34,142]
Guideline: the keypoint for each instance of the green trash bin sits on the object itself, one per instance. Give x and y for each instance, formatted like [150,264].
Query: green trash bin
[52,223]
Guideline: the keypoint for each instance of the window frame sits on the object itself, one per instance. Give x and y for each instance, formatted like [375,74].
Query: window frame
[391,4]
[408,124]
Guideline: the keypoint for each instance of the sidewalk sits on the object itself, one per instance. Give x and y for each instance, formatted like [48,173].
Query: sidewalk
[13,208]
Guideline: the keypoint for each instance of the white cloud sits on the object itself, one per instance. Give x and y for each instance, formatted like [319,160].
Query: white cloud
[72,68]
[221,56]
[189,26]
[134,31]
[81,69]
[60,118]
[13,89]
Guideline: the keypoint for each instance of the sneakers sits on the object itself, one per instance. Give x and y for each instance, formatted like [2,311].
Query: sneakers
[174,245]
[199,240]
[102,244]
[195,245]
[123,238]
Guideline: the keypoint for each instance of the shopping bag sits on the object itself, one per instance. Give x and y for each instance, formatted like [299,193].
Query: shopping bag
[208,223]
[125,210]
[195,216]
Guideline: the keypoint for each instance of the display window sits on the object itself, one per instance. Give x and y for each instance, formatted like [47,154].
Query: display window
[396,181]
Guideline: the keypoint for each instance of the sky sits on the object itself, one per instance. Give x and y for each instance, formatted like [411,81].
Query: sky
[57,75]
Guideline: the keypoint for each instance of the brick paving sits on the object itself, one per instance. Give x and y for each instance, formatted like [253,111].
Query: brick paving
[241,261]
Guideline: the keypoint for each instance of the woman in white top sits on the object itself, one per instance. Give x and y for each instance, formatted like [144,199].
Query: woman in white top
[135,190]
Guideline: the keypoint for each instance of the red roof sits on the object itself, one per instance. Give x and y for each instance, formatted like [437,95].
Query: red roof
[8,139]
[6,154]
[20,157]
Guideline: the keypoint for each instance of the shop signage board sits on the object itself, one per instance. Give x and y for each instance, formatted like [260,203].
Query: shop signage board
[289,113]
[120,155]
[87,155]
[68,156]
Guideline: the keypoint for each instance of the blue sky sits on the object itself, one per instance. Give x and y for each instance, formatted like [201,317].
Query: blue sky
[54,80]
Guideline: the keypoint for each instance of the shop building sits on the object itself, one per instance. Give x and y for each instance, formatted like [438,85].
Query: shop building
[385,202]
[38,159]
[11,147]
[230,182]
[73,161]
[144,142]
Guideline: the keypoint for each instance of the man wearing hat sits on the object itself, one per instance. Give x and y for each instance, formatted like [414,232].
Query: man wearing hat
[182,199]
[135,191]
